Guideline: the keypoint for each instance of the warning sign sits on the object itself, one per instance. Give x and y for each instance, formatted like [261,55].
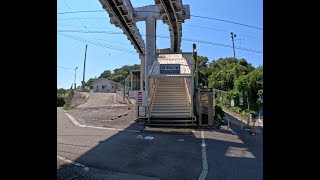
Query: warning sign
[139,98]
[142,111]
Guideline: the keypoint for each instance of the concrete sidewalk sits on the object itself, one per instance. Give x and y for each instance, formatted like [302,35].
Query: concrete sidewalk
[241,119]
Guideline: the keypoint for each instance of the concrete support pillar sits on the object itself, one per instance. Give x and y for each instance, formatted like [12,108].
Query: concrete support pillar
[150,52]
[142,71]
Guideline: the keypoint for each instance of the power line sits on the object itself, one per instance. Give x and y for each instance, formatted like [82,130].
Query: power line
[97,43]
[185,39]
[90,11]
[202,27]
[111,32]
[79,18]
[206,17]
[221,30]
[102,28]
[74,14]
[82,11]
[80,21]
[127,44]
[67,68]
[197,16]
[83,31]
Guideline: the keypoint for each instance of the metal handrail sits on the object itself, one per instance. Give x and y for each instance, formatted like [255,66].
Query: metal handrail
[188,94]
[152,67]
[153,92]
[152,96]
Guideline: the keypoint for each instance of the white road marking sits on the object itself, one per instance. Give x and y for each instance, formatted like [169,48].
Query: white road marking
[72,162]
[149,137]
[73,120]
[96,127]
[204,159]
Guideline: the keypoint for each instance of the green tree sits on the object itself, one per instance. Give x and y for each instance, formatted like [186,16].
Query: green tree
[62,95]
[118,75]
[250,86]
[106,74]
[61,91]
[223,72]
[255,82]
[90,81]
[202,71]
[241,86]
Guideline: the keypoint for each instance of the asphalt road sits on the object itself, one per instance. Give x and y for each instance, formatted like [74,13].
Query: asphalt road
[164,156]
[112,154]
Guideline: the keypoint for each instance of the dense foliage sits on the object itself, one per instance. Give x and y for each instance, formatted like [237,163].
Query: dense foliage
[62,95]
[240,81]
[119,75]
[219,115]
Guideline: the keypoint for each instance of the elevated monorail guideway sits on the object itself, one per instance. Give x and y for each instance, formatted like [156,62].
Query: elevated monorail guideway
[174,13]
[121,15]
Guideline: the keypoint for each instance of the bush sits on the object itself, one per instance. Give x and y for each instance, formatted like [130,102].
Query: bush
[236,109]
[61,99]
[219,114]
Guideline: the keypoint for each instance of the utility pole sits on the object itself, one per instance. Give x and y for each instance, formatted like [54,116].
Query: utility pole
[84,67]
[75,76]
[196,64]
[124,90]
[232,37]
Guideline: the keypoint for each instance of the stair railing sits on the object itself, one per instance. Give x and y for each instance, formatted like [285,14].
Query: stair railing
[186,83]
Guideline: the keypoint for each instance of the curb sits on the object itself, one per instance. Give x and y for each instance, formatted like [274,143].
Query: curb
[75,122]
[121,115]
[72,162]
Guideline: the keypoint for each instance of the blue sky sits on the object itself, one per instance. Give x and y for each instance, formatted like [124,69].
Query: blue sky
[70,52]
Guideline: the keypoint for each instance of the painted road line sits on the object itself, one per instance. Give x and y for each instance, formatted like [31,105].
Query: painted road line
[204,158]
[72,162]
[113,129]
[75,122]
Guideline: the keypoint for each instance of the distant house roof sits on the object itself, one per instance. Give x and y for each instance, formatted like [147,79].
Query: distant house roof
[104,79]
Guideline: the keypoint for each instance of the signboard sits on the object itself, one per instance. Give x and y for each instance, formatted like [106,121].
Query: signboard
[132,94]
[142,111]
[169,68]
[141,103]
[141,99]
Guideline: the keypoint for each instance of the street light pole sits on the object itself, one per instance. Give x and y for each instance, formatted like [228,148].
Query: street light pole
[232,37]
[75,76]
[196,63]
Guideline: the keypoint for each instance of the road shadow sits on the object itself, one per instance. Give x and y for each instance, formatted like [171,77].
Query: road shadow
[167,156]
[234,154]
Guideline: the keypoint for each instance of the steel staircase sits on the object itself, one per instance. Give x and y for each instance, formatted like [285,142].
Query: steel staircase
[170,105]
